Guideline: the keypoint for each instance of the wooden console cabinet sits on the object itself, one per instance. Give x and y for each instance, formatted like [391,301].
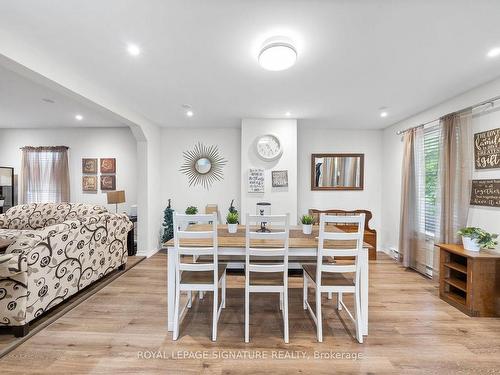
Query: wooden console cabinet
[470,281]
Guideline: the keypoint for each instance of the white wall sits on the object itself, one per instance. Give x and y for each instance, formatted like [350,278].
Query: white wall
[316,137]
[174,184]
[393,155]
[117,143]
[283,200]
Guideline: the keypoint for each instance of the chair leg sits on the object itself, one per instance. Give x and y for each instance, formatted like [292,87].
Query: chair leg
[247,315]
[201,295]
[190,299]
[224,291]
[319,319]
[285,313]
[339,300]
[304,292]
[357,307]
[281,301]
[215,312]
[330,294]
[176,313]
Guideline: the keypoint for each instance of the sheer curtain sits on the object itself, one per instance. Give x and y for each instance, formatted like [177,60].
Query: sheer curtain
[45,174]
[455,174]
[413,246]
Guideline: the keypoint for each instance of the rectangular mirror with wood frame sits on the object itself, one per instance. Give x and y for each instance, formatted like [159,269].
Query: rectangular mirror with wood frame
[337,171]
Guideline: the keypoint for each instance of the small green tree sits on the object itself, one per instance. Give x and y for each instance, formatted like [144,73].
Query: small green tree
[168,223]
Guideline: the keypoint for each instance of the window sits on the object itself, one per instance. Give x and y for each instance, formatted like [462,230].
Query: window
[431,163]
[45,175]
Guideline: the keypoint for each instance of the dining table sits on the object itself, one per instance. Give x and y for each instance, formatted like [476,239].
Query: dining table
[233,246]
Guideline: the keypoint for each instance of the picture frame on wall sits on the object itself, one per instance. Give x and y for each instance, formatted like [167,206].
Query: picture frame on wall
[89,183]
[487,149]
[108,182]
[89,165]
[255,180]
[279,179]
[108,165]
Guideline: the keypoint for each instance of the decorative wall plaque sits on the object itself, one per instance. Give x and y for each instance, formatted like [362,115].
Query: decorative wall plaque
[108,165]
[255,180]
[108,182]
[279,178]
[89,183]
[485,193]
[89,166]
[487,149]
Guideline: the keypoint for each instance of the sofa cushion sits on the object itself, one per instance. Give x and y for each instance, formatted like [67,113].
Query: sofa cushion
[12,264]
[40,215]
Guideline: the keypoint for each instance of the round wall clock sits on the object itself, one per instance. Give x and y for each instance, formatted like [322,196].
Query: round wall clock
[269,147]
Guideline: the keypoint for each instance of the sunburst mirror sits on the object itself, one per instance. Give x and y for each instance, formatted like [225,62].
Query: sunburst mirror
[203,165]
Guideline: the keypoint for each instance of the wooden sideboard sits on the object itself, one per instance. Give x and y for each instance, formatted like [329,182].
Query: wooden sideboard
[370,235]
[470,281]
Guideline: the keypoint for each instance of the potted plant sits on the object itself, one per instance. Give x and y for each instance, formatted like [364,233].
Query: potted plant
[191,210]
[475,239]
[307,223]
[232,222]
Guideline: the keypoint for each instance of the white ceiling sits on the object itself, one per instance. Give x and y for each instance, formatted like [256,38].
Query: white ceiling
[354,56]
[22,106]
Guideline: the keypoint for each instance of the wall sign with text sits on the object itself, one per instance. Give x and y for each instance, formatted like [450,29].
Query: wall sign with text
[487,149]
[485,193]
[255,180]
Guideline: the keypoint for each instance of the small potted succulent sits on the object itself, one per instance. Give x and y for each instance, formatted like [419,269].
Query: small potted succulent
[307,223]
[475,239]
[232,222]
[191,210]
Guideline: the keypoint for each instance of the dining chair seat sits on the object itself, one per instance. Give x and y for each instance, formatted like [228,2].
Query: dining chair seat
[203,277]
[267,278]
[328,278]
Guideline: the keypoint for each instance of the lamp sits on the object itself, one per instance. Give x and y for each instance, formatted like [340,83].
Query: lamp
[116,197]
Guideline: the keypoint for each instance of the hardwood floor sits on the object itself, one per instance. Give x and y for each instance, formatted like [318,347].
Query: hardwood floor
[121,327]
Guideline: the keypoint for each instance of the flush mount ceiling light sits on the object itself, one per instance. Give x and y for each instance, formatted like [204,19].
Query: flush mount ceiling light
[79,117]
[133,49]
[494,52]
[277,53]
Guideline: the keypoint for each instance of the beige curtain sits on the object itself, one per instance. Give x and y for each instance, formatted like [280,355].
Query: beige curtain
[455,175]
[413,248]
[45,174]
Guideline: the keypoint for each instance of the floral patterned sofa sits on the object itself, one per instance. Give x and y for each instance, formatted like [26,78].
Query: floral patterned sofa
[58,249]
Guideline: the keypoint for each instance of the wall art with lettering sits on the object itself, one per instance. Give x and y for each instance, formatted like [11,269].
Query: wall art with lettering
[487,149]
[255,180]
[485,193]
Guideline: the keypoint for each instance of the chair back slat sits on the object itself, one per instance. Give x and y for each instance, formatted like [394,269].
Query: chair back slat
[349,250]
[196,250]
[261,252]
[267,236]
[197,267]
[266,267]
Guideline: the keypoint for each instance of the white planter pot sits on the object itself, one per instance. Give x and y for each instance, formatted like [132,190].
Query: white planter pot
[232,228]
[470,244]
[307,228]
[2,202]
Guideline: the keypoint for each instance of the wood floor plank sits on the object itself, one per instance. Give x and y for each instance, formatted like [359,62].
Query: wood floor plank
[122,329]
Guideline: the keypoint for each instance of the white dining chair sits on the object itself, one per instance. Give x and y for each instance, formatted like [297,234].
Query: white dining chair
[336,278]
[191,276]
[271,275]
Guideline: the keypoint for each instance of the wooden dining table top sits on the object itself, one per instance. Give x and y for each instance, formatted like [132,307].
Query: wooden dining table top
[297,239]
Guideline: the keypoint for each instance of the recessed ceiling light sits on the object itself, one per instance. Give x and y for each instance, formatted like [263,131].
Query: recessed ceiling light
[133,49]
[79,117]
[494,52]
[189,113]
[288,114]
[277,53]
[383,114]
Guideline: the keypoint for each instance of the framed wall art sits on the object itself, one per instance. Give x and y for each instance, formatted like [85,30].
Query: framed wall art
[108,182]
[108,165]
[89,166]
[255,180]
[487,149]
[279,178]
[89,183]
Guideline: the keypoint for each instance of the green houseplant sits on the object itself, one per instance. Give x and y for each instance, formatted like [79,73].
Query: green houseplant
[232,222]
[475,239]
[191,210]
[307,223]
